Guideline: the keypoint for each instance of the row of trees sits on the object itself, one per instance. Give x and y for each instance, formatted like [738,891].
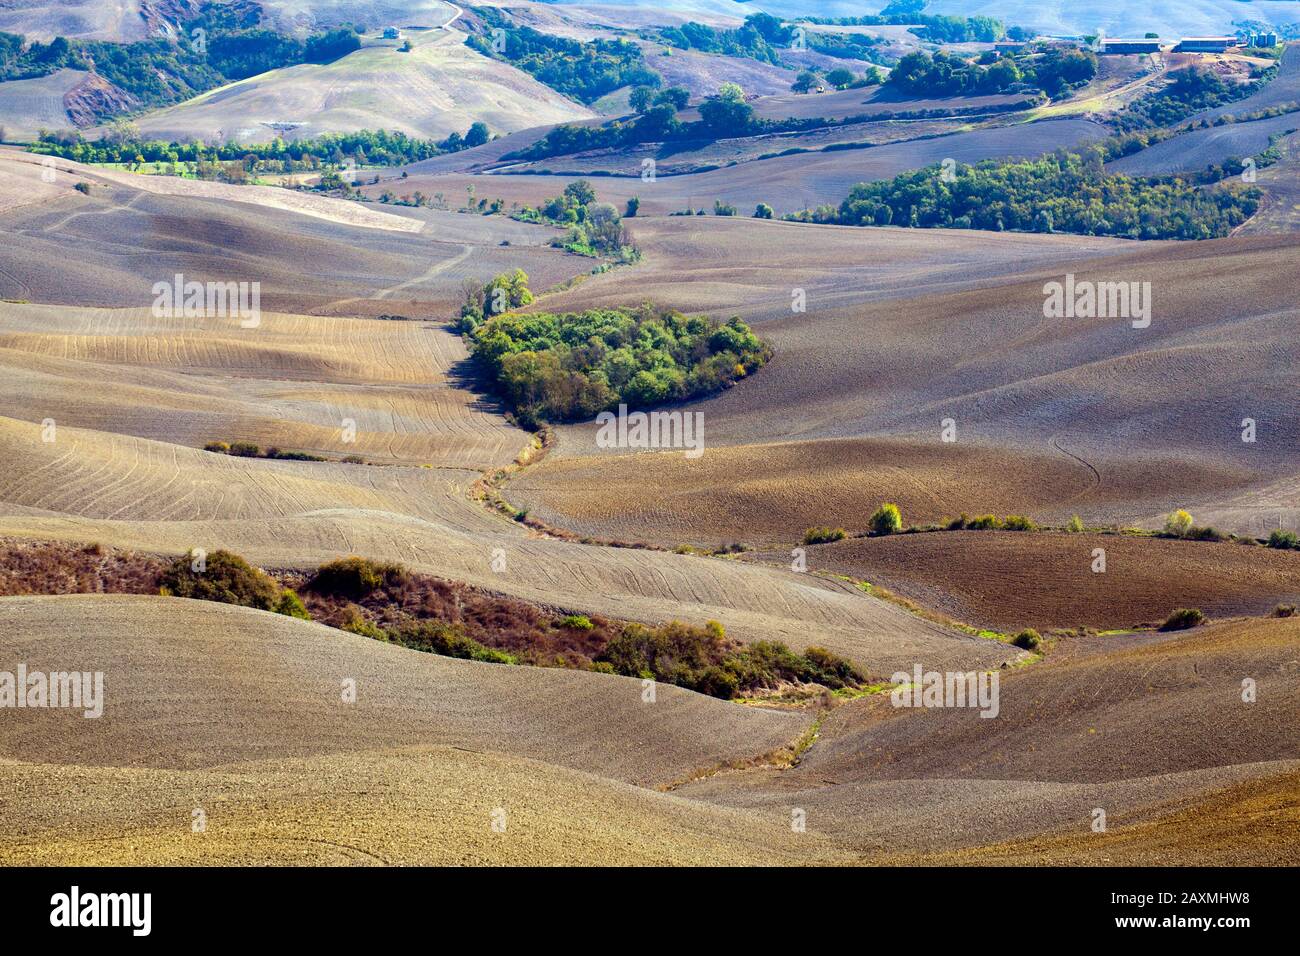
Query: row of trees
[1060,192]
[364,147]
[840,78]
[583,71]
[1054,71]
[727,113]
[938,29]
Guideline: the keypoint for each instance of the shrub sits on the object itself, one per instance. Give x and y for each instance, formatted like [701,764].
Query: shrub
[824,535]
[763,211]
[354,622]
[82,187]
[437,637]
[703,660]
[219,447]
[1075,525]
[245,449]
[1018,523]
[291,455]
[832,670]
[291,605]
[1182,619]
[984,523]
[1028,640]
[579,622]
[354,577]
[887,519]
[1282,539]
[226,578]
[957,524]
[1206,533]
[1178,524]
[1284,610]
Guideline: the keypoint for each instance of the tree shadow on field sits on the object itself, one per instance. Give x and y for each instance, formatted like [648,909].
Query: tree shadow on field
[468,375]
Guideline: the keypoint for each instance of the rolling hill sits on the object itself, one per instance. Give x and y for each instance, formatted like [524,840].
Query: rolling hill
[439,87]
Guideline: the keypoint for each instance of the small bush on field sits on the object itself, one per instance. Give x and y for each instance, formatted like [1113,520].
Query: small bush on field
[226,578]
[1206,533]
[832,670]
[984,523]
[291,605]
[354,622]
[824,535]
[579,622]
[1178,524]
[449,640]
[1182,619]
[1284,610]
[887,519]
[245,449]
[957,524]
[1282,539]
[1075,525]
[291,455]
[1028,640]
[354,577]
[703,660]
[1018,523]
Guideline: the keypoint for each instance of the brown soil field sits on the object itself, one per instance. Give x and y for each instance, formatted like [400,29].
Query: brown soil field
[1136,732]
[294,382]
[1144,421]
[153,496]
[29,106]
[1192,152]
[1249,824]
[769,494]
[433,750]
[1009,580]
[310,254]
[903,328]
[192,656]
[787,183]
[1280,182]
[411,771]
[840,104]
[682,159]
